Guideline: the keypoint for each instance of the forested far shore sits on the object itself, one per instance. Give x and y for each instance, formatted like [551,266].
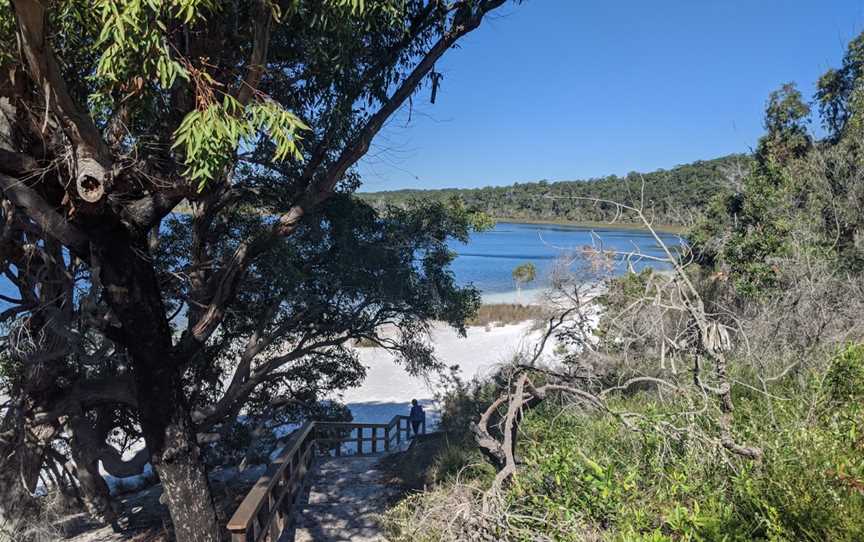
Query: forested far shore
[672,197]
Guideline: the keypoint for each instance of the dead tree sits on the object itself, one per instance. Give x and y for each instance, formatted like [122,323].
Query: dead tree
[712,340]
[700,336]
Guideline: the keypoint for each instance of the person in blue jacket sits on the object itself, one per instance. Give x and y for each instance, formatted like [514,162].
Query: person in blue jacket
[417,416]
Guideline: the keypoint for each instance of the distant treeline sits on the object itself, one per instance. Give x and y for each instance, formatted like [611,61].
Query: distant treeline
[674,196]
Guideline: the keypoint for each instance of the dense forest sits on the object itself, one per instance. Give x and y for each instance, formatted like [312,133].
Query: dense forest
[676,196]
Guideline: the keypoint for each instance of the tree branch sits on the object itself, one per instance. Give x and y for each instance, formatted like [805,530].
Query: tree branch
[321,190]
[90,393]
[317,192]
[92,156]
[261,36]
[45,216]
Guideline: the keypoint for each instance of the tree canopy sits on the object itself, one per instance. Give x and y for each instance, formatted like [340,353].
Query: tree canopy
[524,273]
[801,195]
[123,315]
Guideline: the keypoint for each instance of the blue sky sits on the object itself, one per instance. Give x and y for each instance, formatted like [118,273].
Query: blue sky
[571,89]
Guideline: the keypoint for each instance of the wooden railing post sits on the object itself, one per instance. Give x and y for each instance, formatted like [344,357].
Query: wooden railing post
[275,527]
[265,512]
[387,439]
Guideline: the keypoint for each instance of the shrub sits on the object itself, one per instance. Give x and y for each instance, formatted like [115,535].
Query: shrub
[844,382]
[584,476]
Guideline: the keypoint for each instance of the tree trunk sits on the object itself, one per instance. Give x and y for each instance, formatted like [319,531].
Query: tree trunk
[185,484]
[176,457]
[187,489]
[133,293]
[20,462]
[21,467]
[174,452]
[94,490]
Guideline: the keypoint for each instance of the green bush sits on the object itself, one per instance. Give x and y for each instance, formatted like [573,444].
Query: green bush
[644,486]
[587,473]
[457,459]
[844,382]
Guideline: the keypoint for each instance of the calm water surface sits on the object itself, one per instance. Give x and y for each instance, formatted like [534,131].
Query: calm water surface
[488,259]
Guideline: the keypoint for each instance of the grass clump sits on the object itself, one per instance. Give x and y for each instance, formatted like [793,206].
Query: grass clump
[502,314]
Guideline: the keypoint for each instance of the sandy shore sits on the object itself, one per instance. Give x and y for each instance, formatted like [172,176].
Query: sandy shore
[388,389]
[476,355]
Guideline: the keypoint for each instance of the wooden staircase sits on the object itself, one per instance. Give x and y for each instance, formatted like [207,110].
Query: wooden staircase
[323,486]
[345,499]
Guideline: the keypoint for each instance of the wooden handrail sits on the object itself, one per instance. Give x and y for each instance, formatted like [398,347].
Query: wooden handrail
[267,510]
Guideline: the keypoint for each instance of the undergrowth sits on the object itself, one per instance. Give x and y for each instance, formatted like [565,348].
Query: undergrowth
[584,476]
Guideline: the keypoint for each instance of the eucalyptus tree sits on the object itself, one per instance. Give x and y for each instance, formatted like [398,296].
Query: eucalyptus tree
[254,113]
[840,92]
[800,191]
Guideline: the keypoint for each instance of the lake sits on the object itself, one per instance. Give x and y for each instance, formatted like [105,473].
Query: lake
[488,259]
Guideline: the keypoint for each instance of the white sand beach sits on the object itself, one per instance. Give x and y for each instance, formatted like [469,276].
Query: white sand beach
[388,388]
[477,354]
